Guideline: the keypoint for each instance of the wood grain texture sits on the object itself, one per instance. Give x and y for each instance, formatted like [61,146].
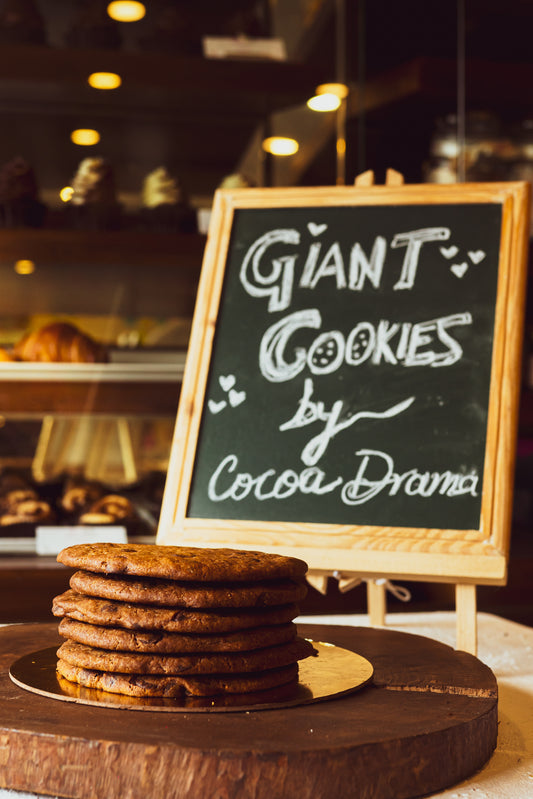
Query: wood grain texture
[428,720]
[441,556]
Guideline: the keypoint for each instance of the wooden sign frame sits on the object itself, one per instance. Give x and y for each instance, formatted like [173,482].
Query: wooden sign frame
[438,555]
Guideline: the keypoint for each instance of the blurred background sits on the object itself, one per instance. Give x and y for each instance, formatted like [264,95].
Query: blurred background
[118,122]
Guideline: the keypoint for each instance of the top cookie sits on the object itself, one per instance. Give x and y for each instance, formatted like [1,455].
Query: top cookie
[181,563]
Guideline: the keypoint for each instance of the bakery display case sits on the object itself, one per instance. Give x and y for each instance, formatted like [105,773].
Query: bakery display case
[118,258]
[87,399]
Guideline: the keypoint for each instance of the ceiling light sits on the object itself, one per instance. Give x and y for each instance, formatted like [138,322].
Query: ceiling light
[66,193]
[85,136]
[24,267]
[340,90]
[280,145]
[324,102]
[104,80]
[126,10]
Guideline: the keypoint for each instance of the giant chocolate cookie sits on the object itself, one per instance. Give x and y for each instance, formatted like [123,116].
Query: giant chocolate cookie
[89,657]
[151,641]
[181,563]
[177,686]
[149,617]
[173,593]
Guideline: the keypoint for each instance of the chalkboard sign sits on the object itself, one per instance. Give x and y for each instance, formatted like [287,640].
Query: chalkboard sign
[351,386]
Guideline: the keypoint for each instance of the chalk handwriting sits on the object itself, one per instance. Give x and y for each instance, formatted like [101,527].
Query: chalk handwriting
[476,256]
[316,230]
[413,242]
[216,407]
[311,411]
[427,343]
[411,482]
[299,345]
[278,283]
[449,252]
[267,485]
[228,385]
[228,483]
[274,277]
[459,270]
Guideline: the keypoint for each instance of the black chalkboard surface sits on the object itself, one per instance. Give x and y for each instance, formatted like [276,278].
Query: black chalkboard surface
[345,356]
[355,398]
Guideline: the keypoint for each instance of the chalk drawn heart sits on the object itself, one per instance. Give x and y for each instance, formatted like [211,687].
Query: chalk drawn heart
[236,397]
[459,269]
[216,407]
[226,382]
[477,256]
[449,252]
[316,230]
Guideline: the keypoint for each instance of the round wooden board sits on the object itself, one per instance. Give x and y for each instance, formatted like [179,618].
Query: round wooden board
[427,720]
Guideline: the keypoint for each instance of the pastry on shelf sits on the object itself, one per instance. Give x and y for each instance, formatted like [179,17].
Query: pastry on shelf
[20,503]
[6,356]
[92,27]
[79,494]
[10,501]
[21,23]
[59,342]
[31,511]
[20,205]
[164,207]
[109,509]
[94,205]
[22,506]
[116,505]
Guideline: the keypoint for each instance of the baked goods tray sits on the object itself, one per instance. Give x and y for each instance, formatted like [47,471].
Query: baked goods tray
[94,372]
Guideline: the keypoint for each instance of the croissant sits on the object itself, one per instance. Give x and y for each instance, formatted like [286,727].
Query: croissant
[5,355]
[59,342]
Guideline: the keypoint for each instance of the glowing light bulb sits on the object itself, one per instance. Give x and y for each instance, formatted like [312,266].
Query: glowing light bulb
[324,102]
[339,89]
[126,10]
[66,193]
[280,145]
[85,136]
[104,80]
[24,266]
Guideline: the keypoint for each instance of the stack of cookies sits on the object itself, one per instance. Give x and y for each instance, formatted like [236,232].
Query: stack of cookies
[166,621]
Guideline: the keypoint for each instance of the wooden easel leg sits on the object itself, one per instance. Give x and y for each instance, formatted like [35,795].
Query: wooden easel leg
[376,596]
[466,617]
